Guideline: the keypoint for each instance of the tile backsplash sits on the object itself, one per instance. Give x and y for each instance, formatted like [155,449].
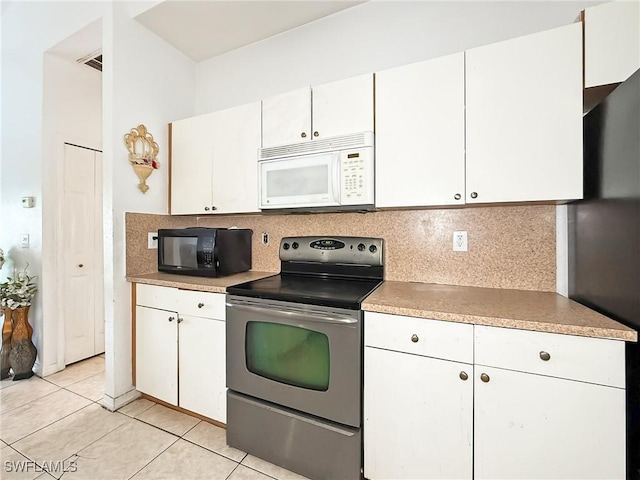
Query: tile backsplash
[508,246]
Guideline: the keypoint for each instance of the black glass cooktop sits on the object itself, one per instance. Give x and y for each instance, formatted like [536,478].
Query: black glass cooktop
[309,289]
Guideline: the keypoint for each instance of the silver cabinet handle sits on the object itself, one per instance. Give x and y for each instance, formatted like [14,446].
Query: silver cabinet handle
[457,196]
[171,319]
[463,376]
[545,356]
[200,305]
[474,194]
[310,316]
[414,338]
[485,378]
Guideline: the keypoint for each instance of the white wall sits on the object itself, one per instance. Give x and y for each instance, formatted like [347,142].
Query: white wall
[146,81]
[28,30]
[368,38]
[71,112]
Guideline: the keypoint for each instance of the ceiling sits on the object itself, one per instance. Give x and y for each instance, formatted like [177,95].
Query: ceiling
[204,29]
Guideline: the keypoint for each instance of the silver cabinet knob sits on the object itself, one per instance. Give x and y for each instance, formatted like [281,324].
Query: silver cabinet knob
[485,378]
[303,135]
[214,208]
[414,338]
[463,376]
[171,319]
[316,134]
[180,320]
[200,305]
[474,194]
[206,209]
[81,265]
[457,196]
[545,356]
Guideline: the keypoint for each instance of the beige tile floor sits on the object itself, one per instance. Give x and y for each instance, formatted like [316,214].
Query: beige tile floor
[54,428]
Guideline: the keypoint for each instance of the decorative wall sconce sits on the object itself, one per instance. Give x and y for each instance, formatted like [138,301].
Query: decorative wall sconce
[143,153]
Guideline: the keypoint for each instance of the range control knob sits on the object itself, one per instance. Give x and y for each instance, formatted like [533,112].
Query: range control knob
[361,247]
[295,245]
[373,249]
[285,246]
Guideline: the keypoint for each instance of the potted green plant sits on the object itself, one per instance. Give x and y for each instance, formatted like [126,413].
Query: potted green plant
[16,295]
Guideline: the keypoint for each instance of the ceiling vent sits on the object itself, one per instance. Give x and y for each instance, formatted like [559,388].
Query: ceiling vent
[93,60]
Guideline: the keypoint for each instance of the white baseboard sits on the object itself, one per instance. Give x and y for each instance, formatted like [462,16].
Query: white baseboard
[114,404]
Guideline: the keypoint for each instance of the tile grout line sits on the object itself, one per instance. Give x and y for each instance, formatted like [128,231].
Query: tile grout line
[154,458]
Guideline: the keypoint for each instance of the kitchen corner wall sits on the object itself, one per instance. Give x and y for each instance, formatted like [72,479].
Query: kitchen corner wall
[509,247]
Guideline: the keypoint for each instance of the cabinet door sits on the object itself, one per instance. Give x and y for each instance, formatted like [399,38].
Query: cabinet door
[191,165]
[524,118]
[418,416]
[420,134]
[286,118]
[235,139]
[531,426]
[611,42]
[343,107]
[202,367]
[157,353]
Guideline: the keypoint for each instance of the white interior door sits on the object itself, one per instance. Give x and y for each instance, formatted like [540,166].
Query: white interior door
[81,254]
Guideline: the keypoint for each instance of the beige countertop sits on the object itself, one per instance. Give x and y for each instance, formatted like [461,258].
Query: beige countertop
[521,309]
[201,284]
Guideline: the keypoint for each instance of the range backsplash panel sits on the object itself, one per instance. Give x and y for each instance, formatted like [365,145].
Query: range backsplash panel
[509,246]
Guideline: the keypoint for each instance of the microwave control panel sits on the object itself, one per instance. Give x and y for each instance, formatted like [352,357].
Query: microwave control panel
[355,175]
[207,252]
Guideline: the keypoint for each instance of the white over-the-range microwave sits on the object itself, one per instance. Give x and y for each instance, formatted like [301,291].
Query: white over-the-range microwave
[331,173]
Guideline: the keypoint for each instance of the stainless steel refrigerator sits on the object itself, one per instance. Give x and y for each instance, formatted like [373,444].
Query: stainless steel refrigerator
[604,233]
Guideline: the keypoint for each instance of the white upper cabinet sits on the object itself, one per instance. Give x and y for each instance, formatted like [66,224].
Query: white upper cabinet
[611,42]
[286,118]
[191,165]
[420,134]
[213,162]
[524,118]
[329,110]
[235,144]
[343,107]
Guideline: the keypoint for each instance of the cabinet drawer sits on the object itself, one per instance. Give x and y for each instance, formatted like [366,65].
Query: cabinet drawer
[420,336]
[201,304]
[153,296]
[593,360]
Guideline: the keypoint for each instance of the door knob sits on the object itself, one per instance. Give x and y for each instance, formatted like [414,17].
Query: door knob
[485,378]
[463,376]
[457,196]
[474,194]
[414,338]
[214,208]
[303,135]
[171,319]
[316,134]
[200,305]
[206,209]
[546,356]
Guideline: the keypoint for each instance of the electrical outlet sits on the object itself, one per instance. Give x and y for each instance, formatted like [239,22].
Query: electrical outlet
[24,240]
[152,240]
[265,238]
[460,241]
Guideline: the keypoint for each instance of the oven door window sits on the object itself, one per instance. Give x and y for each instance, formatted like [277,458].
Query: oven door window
[287,354]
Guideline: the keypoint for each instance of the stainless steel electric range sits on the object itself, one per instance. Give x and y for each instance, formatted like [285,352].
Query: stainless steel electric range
[294,356]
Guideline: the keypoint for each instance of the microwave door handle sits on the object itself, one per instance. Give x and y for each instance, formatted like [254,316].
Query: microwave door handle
[336,177]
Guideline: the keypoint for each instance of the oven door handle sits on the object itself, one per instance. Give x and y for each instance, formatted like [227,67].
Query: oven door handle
[311,316]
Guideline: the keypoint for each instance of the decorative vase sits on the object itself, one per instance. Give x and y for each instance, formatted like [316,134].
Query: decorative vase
[7,330]
[143,172]
[23,351]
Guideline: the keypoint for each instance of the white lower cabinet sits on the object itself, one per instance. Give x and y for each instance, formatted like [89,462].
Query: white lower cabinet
[532,405]
[180,348]
[532,426]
